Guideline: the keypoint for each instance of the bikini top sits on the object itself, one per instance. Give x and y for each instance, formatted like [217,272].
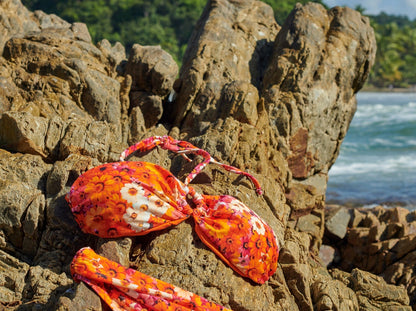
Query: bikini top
[130,198]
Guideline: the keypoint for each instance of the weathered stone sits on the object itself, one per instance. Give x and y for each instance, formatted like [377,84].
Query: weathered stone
[64,173]
[16,20]
[399,214]
[12,279]
[21,215]
[83,298]
[298,280]
[137,127]
[117,250]
[405,245]
[246,30]
[239,99]
[370,220]
[330,294]
[44,286]
[100,97]
[358,236]
[50,20]
[336,222]
[116,54]
[150,105]
[23,168]
[374,294]
[356,218]
[152,69]
[327,254]
[376,233]
[310,224]
[22,132]
[300,105]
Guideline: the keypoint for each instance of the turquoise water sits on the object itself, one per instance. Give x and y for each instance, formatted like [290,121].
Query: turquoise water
[377,162]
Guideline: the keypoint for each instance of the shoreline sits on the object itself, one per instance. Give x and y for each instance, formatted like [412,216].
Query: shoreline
[372,89]
[352,203]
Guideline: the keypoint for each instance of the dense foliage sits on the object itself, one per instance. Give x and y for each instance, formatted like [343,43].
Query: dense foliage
[396,51]
[169,23]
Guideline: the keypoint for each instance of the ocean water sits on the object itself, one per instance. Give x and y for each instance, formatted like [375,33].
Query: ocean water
[377,161]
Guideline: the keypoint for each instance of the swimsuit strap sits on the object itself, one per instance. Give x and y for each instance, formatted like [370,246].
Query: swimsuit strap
[183,147]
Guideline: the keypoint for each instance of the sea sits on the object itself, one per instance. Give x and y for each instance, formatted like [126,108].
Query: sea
[377,161]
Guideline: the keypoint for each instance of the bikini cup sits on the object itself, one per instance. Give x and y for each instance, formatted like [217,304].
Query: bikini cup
[135,198]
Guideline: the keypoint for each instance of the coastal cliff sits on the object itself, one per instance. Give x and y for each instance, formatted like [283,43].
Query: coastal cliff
[274,100]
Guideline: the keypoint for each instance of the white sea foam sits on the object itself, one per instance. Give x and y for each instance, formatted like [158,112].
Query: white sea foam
[376,165]
[378,156]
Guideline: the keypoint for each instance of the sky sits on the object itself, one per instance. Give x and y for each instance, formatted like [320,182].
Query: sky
[373,7]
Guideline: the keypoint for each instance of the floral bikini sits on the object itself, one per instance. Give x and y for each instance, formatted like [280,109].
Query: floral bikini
[135,198]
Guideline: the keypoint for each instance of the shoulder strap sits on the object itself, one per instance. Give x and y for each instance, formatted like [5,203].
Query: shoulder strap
[183,147]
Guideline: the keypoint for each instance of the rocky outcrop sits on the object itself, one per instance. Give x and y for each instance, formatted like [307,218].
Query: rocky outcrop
[379,240]
[273,100]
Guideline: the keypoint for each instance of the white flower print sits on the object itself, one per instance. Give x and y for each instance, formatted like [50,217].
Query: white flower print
[183,293]
[143,206]
[257,225]
[138,220]
[132,192]
[239,206]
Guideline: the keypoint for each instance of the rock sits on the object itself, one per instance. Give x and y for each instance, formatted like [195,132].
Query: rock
[150,106]
[21,215]
[152,69]
[330,294]
[22,132]
[275,102]
[116,250]
[82,298]
[374,294]
[327,254]
[137,126]
[100,97]
[336,222]
[16,20]
[212,72]
[12,279]
[309,46]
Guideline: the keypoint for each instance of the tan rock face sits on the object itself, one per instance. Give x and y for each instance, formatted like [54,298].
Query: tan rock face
[274,101]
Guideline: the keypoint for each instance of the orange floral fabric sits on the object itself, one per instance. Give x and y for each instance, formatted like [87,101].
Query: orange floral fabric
[135,198]
[127,289]
[238,236]
[128,199]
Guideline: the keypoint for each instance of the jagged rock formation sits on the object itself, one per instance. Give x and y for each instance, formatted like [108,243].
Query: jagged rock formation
[273,100]
[379,240]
